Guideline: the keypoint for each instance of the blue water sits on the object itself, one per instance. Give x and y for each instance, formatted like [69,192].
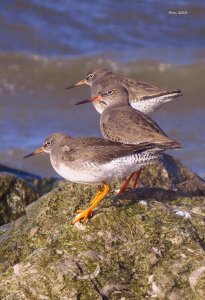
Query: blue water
[122,29]
[47,45]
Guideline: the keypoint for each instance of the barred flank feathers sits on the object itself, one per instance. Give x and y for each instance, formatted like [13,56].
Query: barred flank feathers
[173,93]
[169,145]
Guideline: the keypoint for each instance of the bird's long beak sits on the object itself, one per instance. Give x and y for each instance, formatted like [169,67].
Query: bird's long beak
[38,151]
[94,99]
[81,82]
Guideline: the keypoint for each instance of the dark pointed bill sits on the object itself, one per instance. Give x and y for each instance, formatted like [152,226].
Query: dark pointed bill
[38,151]
[81,82]
[83,101]
[97,98]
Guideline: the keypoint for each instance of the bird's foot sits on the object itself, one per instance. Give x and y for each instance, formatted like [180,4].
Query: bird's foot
[121,191]
[87,213]
[83,215]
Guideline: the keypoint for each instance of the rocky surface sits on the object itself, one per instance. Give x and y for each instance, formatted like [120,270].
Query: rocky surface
[148,243]
[15,194]
[18,189]
[170,173]
[43,185]
[18,173]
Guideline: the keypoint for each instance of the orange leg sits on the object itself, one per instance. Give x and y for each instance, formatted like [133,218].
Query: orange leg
[137,178]
[100,190]
[85,214]
[125,185]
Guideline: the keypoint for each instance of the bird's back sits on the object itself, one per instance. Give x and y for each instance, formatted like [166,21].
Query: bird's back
[126,125]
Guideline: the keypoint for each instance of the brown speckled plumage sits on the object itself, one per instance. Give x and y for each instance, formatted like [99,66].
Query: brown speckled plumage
[95,160]
[96,150]
[141,95]
[119,122]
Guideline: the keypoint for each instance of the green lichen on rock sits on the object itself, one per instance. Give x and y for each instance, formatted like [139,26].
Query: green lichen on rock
[15,194]
[147,243]
[18,189]
[170,173]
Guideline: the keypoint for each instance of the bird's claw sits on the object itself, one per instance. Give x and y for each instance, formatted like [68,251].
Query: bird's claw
[82,216]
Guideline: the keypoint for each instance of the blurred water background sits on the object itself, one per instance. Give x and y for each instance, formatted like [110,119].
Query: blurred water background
[48,45]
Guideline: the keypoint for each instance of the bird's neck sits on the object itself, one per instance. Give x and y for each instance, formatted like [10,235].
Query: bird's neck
[115,105]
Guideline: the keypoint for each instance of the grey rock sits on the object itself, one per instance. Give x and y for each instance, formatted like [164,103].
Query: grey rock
[15,194]
[148,243]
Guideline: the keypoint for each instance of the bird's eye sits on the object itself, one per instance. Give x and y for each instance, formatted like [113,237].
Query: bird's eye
[110,92]
[47,143]
[90,76]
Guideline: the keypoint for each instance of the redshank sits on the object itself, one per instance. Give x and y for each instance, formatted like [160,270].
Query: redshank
[96,161]
[119,122]
[141,95]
